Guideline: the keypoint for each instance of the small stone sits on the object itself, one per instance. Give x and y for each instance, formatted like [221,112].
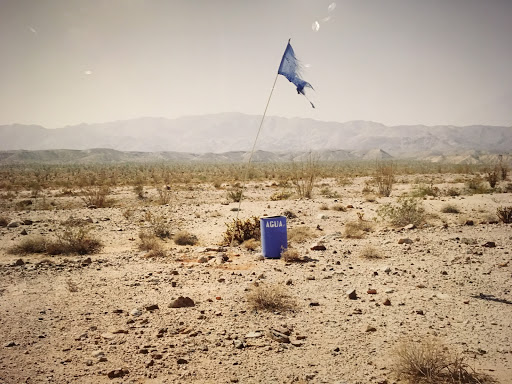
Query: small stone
[136,312]
[97,354]
[10,344]
[278,336]
[352,295]
[239,344]
[371,291]
[24,232]
[182,361]
[318,247]
[289,282]
[182,302]
[27,222]
[410,226]
[13,224]
[89,362]
[254,335]
[420,312]
[489,244]
[387,302]
[370,328]
[314,304]
[157,356]
[19,262]
[469,222]
[405,241]
[322,216]
[108,335]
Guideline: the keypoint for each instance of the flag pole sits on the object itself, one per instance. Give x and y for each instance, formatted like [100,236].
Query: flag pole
[250,158]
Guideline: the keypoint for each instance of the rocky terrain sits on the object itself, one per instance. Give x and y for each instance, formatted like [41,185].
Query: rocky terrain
[116,317]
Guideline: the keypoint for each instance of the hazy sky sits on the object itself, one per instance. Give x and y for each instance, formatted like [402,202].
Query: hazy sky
[391,61]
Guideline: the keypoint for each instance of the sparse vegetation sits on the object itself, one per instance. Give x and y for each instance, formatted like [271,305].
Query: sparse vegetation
[357,229]
[423,190]
[159,225]
[96,196]
[235,195]
[428,361]
[370,252]
[338,207]
[450,208]
[384,178]
[291,255]
[74,240]
[505,214]
[149,241]
[4,220]
[300,234]
[303,177]
[270,298]
[185,238]
[241,230]
[28,245]
[164,195]
[408,211]
[251,244]
[280,195]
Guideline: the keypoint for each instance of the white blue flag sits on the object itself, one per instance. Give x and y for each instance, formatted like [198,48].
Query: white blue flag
[291,68]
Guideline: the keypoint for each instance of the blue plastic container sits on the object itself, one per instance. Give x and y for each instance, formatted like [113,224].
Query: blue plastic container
[274,239]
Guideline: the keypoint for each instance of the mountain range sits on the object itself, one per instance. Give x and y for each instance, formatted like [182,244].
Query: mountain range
[234,132]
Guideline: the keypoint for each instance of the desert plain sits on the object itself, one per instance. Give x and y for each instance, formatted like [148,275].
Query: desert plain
[144,309]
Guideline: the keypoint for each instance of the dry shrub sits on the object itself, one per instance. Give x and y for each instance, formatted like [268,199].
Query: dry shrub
[270,298]
[241,230]
[324,207]
[408,211]
[149,241]
[300,234]
[428,361]
[505,214]
[74,240]
[384,178]
[450,208]
[4,220]
[159,226]
[164,195]
[291,255]
[339,208]
[154,253]
[452,192]
[185,238]
[280,195]
[235,195]
[370,252]
[357,229]
[251,244]
[328,192]
[304,175]
[29,244]
[96,196]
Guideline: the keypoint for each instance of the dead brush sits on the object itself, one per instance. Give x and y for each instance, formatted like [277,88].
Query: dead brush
[430,362]
[30,244]
[504,214]
[357,229]
[271,298]
[4,220]
[291,255]
[338,207]
[185,238]
[369,252]
[148,241]
[241,230]
[251,244]
[96,196]
[300,234]
[74,240]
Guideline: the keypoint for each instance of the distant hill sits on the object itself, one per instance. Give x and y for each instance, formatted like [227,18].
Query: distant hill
[232,132]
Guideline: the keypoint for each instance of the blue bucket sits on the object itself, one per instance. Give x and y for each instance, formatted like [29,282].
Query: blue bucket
[273,236]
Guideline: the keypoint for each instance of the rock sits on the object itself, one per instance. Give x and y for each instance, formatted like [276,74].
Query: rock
[278,336]
[314,304]
[14,224]
[116,373]
[86,261]
[108,335]
[352,295]
[10,344]
[371,291]
[239,344]
[370,328]
[27,222]
[318,247]
[182,361]
[202,260]
[89,362]
[182,302]
[489,244]
[387,302]
[387,269]
[469,222]
[97,354]
[254,335]
[24,232]
[420,312]
[151,307]
[136,312]
[442,296]
[289,282]
[405,241]
[410,226]
[157,356]
[19,262]
[322,216]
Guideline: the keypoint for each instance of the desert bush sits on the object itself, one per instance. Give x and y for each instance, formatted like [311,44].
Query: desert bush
[370,252]
[408,211]
[329,193]
[159,225]
[429,361]
[139,191]
[235,195]
[384,178]
[148,241]
[339,208]
[303,177]
[251,244]
[185,238]
[29,244]
[451,191]
[324,207]
[241,230]
[164,195]
[95,196]
[357,229]
[280,195]
[505,214]
[270,298]
[74,240]
[449,208]
[300,234]
[291,255]
[423,190]
[4,220]
[476,186]
[492,176]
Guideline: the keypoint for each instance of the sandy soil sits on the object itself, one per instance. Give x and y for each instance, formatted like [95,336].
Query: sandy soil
[67,319]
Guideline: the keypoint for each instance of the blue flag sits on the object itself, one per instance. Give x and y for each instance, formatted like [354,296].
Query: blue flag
[291,68]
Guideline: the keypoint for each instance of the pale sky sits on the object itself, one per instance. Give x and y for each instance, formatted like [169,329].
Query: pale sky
[65,62]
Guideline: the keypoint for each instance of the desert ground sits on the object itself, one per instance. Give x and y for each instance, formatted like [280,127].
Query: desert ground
[112,316]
